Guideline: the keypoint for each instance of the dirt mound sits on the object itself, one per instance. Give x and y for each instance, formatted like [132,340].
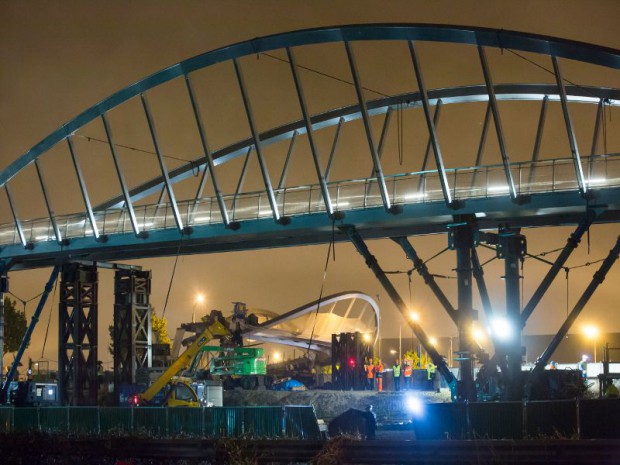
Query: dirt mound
[390,407]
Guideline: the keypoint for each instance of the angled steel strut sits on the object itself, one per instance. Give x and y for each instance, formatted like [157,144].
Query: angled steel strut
[429,279]
[571,244]
[372,263]
[597,279]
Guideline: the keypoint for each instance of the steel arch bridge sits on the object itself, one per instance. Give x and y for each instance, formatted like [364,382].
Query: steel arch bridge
[326,110]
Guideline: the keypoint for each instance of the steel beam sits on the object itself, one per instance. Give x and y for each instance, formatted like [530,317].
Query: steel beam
[571,244]
[18,224]
[78,336]
[332,152]
[309,133]
[162,163]
[482,286]
[429,279]
[209,169]
[33,323]
[287,161]
[597,126]
[372,263]
[241,182]
[597,279]
[595,136]
[572,140]
[445,188]
[121,178]
[386,124]
[48,204]
[429,144]
[368,129]
[462,239]
[538,140]
[83,190]
[257,143]
[498,123]
[201,185]
[512,248]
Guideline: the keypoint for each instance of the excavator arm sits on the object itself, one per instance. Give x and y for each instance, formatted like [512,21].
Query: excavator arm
[213,329]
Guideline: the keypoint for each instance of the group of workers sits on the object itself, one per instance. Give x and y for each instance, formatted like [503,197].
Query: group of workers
[376,371]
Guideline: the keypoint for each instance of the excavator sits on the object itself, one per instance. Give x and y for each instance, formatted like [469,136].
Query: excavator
[177,391]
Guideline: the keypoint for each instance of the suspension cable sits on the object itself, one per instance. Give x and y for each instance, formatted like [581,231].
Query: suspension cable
[174,269]
[49,319]
[330,248]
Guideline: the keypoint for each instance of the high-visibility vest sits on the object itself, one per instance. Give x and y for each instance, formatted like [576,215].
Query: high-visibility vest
[379,370]
[396,369]
[370,374]
[408,371]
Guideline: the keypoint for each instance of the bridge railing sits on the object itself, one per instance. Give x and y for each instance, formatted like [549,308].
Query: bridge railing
[555,175]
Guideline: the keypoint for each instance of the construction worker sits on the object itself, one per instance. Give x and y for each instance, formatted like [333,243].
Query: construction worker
[407,372]
[369,368]
[396,371]
[431,372]
[379,375]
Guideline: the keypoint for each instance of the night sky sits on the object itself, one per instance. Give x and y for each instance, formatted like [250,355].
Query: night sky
[58,58]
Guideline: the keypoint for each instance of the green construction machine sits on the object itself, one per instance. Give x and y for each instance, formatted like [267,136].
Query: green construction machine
[243,367]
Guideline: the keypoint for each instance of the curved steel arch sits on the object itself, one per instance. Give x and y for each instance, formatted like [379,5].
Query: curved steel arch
[262,331]
[447,96]
[497,38]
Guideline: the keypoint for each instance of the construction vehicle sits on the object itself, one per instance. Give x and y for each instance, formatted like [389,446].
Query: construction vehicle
[234,366]
[172,391]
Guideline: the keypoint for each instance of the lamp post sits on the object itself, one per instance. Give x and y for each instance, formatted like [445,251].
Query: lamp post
[199,300]
[591,332]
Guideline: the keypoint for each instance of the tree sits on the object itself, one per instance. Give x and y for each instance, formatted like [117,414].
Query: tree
[159,329]
[14,326]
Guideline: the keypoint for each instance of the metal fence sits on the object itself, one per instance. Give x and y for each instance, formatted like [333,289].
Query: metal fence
[566,419]
[285,422]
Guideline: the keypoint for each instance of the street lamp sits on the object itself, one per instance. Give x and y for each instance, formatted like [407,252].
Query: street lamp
[199,300]
[478,335]
[591,332]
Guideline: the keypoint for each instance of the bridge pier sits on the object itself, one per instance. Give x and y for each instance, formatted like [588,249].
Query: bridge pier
[461,237]
[77,340]
[512,247]
[132,325]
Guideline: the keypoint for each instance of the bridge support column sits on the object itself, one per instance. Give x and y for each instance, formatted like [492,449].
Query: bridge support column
[462,239]
[132,325]
[77,341]
[512,247]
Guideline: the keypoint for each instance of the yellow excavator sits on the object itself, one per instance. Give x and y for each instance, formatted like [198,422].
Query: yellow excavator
[177,390]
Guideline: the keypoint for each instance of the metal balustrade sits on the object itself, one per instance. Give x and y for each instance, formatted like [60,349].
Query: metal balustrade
[556,175]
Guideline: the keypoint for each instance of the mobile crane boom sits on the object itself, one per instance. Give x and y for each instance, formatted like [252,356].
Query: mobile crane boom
[213,329]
